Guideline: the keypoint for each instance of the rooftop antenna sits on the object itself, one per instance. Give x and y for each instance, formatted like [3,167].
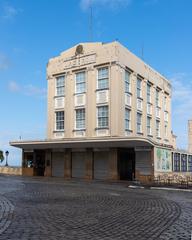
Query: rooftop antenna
[91,21]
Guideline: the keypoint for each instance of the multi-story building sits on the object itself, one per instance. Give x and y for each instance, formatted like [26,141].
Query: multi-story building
[109,117]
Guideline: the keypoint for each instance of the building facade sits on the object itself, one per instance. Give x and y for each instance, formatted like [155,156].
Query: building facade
[109,117]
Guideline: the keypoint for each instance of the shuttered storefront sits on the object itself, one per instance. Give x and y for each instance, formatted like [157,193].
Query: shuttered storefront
[58,164]
[101,165]
[78,164]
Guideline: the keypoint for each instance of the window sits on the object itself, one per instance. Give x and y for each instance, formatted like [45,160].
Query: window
[139,123]
[103,78]
[127,119]
[80,118]
[166,131]
[166,116]
[127,82]
[158,129]
[148,126]
[60,120]
[157,98]
[80,82]
[102,116]
[176,163]
[60,86]
[183,162]
[139,88]
[165,103]
[190,163]
[148,93]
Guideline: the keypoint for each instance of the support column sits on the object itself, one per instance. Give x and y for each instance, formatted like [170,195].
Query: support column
[113,164]
[89,164]
[67,164]
[48,158]
[152,163]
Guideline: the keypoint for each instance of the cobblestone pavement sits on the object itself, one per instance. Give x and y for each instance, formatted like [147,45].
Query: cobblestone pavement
[48,208]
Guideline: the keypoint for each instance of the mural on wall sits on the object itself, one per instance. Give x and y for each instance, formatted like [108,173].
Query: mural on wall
[163,159]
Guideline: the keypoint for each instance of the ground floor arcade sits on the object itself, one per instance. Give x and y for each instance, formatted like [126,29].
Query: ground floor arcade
[104,159]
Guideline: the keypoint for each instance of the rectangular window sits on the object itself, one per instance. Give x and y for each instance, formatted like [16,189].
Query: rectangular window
[157,98]
[148,126]
[190,163]
[148,93]
[127,119]
[80,118]
[103,78]
[80,82]
[139,123]
[127,82]
[184,162]
[158,129]
[60,120]
[60,86]
[166,116]
[166,131]
[165,103]
[139,81]
[102,117]
[176,163]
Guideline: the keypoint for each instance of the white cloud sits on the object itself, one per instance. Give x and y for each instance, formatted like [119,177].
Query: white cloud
[9,12]
[113,4]
[4,62]
[14,87]
[181,106]
[29,90]
[182,91]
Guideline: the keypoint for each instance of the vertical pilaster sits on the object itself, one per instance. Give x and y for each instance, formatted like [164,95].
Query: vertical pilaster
[113,169]
[89,164]
[67,164]
[48,169]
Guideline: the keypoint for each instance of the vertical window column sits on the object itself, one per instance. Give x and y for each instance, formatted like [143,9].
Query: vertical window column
[80,119]
[102,117]
[80,83]
[127,119]
[60,121]
[103,78]
[139,123]
[60,86]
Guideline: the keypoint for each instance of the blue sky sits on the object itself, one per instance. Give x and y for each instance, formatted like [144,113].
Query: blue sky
[33,31]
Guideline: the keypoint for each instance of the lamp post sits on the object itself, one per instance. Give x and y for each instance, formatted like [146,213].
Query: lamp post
[6,154]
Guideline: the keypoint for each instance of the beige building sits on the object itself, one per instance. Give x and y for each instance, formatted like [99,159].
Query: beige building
[109,117]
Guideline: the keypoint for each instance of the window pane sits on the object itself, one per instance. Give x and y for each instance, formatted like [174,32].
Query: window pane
[138,87]
[103,78]
[80,82]
[80,118]
[60,120]
[60,85]
[183,162]
[190,163]
[127,119]
[102,116]
[127,81]
[176,162]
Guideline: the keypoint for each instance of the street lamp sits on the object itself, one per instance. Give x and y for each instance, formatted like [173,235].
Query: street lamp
[6,154]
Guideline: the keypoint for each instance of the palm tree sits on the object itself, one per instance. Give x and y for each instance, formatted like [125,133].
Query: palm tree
[1,156]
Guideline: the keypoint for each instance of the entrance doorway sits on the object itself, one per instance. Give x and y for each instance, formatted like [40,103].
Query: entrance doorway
[39,163]
[126,164]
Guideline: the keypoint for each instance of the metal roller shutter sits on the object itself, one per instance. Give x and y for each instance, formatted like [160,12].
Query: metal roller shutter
[101,165]
[58,164]
[78,164]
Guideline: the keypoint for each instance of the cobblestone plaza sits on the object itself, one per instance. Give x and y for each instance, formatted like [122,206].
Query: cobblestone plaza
[49,208]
